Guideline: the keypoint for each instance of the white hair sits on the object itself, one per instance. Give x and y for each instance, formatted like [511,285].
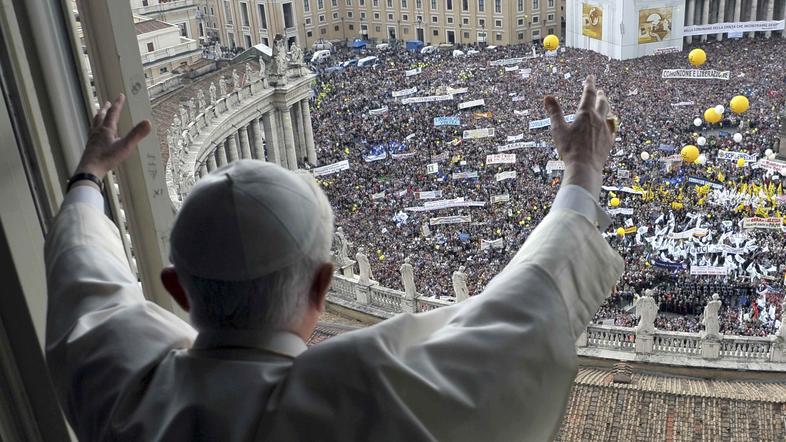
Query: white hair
[276,301]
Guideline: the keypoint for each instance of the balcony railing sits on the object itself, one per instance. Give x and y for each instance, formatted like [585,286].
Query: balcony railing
[164,7]
[183,49]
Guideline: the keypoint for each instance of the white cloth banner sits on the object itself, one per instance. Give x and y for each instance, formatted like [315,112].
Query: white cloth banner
[446,204]
[491,244]
[331,168]
[773,166]
[745,26]
[432,168]
[682,103]
[517,145]
[708,271]
[698,74]
[428,99]
[521,113]
[378,196]
[520,98]
[478,133]
[730,155]
[456,91]
[403,156]
[429,194]
[622,189]
[690,233]
[555,165]
[473,103]
[404,92]
[450,220]
[509,175]
[411,72]
[509,61]
[620,211]
[512,138]
[546,122]
[504,198]
[667,50]
[464,175]
[762,223]
[379,111]
[511,68]
[500,158]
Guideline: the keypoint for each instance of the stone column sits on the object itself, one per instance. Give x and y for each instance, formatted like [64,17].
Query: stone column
[770,14]
[289,138]
[221,154]
[754,14]
[231,148]
[721,18]
[737,10]
[690,14]
[211,163]
[278,126]
[309,132]
[300,137]
[245,147]
[271,139]
[258,146]
[705,17]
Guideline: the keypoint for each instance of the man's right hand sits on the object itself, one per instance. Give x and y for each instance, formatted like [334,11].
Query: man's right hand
[583,145]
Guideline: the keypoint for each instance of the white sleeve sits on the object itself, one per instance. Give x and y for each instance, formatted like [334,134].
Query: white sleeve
[578,199]
[84,194]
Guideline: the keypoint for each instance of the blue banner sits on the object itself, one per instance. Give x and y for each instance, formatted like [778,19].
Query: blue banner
[671,266]
[447,121]
[666,148]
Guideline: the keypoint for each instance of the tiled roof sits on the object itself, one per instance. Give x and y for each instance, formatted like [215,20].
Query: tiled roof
[660,407]
[144,27]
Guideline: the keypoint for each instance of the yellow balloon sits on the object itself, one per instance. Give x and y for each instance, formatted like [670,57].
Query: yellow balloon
[381,257]
[712,116]
[741,162]
[697,57]
[551,42]
[739,104]
[689,153]
[620,231]
[614,202]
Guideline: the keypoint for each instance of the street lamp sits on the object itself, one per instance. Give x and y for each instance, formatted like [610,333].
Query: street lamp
[461,27]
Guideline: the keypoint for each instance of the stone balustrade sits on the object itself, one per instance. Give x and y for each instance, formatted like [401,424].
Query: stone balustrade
[598,341]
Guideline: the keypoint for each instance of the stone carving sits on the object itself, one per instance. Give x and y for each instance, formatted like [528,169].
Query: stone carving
[183,115]
[235,80]
[297,54]
[408,279]
[222,86]
[710,321]
[280,58]
[647,310]
[212,91]
[342,246]
[365,277]
[262,69]
[191,109]
[176,124]
[781,332]
[249,75]
[201,104]
[460,285]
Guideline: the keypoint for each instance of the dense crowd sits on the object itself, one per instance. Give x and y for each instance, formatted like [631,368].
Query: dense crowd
[356,118]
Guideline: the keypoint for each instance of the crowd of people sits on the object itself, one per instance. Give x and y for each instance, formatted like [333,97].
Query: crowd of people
[677,216]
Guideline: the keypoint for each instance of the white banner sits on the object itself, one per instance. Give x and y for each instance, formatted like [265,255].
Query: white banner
[379,111]
[667,50]
[730,155]
[509,61]
[456,91]
[446,204]
[511,68]
[331,168]
[509,175]
[478,133]
[682,103]
[555,165]
[464,175]
[621,189]
[546,122]
[429,194]
[404,92]
[450,220]
[623,173]
[512,138]
[500,158]
[432,168]
[690,233]
[745,26]
[428,99]
[517,145]
[411,72]
[708,271]
[403,156]
[504,198]
[520,98]
[775,166]
[620,211]
[473,103]
[698,74]
[378,196]
[762,223]
[491,244]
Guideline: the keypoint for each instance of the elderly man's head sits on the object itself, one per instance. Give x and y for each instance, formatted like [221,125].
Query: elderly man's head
[251,249]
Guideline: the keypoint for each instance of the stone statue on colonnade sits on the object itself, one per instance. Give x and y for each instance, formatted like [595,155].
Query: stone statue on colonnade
[365,278]
[201,104]
[297,54]
[710,321]
[212,92]
[280,63]
[183,115]
[235,80]
[249,78]
[342,247]
[192,109]
[222,86]
[647,311]
[408,279]
[460,284]
[262,70]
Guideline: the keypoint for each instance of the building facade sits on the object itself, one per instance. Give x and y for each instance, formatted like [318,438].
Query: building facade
[185,14]
[494,22]
[163,49]
[703,12]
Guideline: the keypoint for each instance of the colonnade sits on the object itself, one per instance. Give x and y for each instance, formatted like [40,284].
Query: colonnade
[701,12]
[282,135]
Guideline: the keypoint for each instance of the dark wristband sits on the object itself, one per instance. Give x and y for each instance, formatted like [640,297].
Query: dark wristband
[85,176]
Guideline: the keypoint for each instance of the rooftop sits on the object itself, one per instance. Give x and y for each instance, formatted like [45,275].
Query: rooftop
[144,27]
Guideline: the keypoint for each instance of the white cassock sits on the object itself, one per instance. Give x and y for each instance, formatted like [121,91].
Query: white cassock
[498,366]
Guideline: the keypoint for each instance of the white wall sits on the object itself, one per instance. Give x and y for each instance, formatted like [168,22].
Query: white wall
[161,39]
[621,27]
